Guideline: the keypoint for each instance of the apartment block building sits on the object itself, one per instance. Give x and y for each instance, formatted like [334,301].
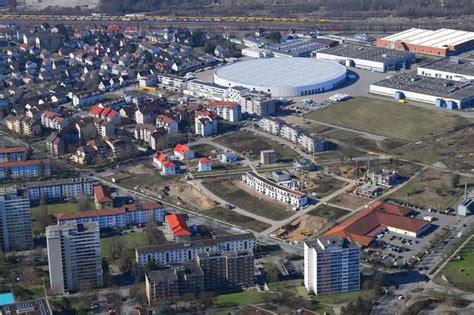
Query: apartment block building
[331,265]
[268,157]
[23,169]
[206,89]
[230,111]
[74,257]
[257,103]
[274,190]
[124,216]
[15,219]
[174,281]
[205,123]
[60,189]
[86,99]
[187,251]
[12,154]
[309,142]
[227,269]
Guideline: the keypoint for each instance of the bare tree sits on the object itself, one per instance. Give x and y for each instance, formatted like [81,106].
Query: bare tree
[116,248]
[82,203]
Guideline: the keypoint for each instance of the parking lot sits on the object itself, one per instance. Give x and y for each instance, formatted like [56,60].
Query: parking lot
[394,249]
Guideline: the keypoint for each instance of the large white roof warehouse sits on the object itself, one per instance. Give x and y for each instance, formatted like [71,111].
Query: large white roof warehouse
[441,42]
[283,76]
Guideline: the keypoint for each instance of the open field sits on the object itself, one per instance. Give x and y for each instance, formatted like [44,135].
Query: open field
[349,200]
[232,192]
[388,118]
[432,189]
[323,185]
[358,141]
[203,150]
[242,140]
[461,272]
[453,149]
[329,212]
[235,218]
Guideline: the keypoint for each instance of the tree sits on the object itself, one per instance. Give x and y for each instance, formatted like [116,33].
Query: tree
[44,219]
[82,203]
[163,308]
[115,248]
[152,234]
[41,169]
[8,174]
[455,179]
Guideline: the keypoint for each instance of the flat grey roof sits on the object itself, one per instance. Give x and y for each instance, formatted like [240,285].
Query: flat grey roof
[365,52]
[454,65]
[281,72]
[199,243]
[429,86]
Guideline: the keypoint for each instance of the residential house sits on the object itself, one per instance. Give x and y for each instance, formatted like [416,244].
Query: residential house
[102,197]
[183,152]
[168,168]
[167,123]
[204,165]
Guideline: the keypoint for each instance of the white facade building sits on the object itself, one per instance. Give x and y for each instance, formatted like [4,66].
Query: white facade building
[74,257]
[283,76]
[230,111]
[205,123]
[331,265]
[273,190]
[55,190]
[116,217]
[206,90]
[187,251]
[168,168]
[455,69]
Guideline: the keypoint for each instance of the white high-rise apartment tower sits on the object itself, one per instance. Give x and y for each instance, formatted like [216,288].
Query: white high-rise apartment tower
[74,257]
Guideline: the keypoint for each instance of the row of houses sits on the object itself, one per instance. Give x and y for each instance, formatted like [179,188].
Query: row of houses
[309,142]
[274,190]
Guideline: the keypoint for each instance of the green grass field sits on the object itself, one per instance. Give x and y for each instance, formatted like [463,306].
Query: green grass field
[241,141]
[227,190]
[53,210]
[387,118]
[241,298]
[237,219]
[130,241]
[461,272]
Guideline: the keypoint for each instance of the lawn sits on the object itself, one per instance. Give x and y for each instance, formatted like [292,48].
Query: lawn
[461,272]
[329,212]
[432,189]
[130,241]
[388,118]
[240,298]
[53,210]
[229,191]
[235,218]
[242,140]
